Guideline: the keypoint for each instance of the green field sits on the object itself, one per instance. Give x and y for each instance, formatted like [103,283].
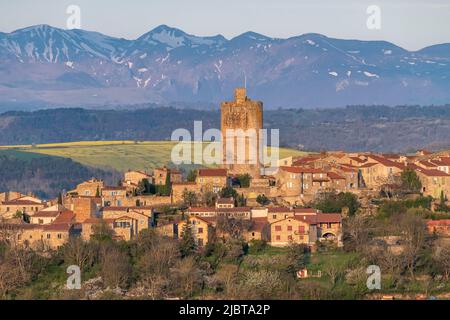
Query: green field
[118,155]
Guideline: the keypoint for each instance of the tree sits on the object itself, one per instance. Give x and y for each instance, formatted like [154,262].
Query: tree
[244,180]
[188,245]
[189,198]
[228,192]
[115,268]
[186,277]
[441,257]
[297,256]
[102,232]
[209,198]
[78,252]
[410,181]
[331,202]
[262,200]
[60,199]
[97,192]
[192,175]
[145,187]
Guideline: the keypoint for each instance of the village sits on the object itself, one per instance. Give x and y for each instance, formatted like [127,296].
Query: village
[277,208]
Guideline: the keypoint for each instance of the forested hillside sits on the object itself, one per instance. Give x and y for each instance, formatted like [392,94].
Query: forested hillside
[355,128]
[45,176]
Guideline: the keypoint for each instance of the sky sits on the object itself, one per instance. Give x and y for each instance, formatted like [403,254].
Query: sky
[411,24]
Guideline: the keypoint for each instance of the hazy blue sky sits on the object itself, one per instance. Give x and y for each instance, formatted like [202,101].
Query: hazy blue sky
[412,24]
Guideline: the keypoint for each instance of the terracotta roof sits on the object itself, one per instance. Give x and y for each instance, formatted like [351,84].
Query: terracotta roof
[309,219]
[357,159]
[57,227]
[212,172]
[442,161]
[46,214]
[442,222]
[320,180]
[427,163]
[19,202]
[235,209]
[335,176]
[225,201]
[433,172]
[202,209]
[126,208]
[278,209]
[328,218]
[385,162]
[305,210]
[368,165]
[348,169]
[301,170]
[65,217]
[204,219]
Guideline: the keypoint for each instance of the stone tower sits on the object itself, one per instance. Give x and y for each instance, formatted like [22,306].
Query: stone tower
[246,115]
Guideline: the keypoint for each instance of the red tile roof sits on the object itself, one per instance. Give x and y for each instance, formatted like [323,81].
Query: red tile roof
[225,201]
[385,162]
[212,172]
[46,214]
[442,222]
[279,209]
[433,173]
[335,176]
[18,202]
[301,170]
[57,227]
[65,217]
[328,218]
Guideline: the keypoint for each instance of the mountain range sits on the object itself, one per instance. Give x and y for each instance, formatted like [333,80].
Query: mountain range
[43,66]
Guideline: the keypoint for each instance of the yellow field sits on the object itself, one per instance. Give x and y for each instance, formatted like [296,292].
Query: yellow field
[119,155]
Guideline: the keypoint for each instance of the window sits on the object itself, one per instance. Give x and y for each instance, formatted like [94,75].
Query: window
[278,238]
[289,238]
[301,229]
[7,209]
[277,228]
[121,224]
[19,236]
[59,236]
[200,230]
[274,216]
[41,221]
[253,234]
[48,235]
[200,242]
[289,228]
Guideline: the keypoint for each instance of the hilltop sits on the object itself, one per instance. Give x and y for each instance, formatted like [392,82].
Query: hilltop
[112,155]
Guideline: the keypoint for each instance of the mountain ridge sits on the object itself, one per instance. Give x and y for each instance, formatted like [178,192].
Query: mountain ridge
[87,68]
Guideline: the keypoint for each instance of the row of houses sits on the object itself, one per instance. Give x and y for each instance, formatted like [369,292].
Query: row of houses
[278,226]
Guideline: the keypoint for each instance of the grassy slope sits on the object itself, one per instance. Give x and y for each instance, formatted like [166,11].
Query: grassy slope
[119,155]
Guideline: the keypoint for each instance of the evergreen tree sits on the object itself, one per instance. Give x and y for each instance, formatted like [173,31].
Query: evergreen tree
[188,244]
